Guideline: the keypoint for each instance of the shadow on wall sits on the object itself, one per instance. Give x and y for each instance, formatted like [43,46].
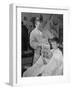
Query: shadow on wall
[51,22]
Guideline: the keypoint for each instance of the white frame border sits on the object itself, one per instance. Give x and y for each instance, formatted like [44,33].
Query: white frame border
[13,77]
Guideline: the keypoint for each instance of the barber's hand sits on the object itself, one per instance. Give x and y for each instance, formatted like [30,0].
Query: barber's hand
[50,54]
[44,61]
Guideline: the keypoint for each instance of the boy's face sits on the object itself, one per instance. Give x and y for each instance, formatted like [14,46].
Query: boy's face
[54,44]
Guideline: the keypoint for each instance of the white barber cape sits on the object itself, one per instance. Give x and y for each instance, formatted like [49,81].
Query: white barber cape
[35,69]
[54,66]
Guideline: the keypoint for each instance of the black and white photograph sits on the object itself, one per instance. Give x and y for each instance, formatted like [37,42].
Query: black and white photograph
[41,44]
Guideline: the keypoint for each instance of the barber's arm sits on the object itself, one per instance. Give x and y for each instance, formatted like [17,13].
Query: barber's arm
[34,41]
[35,44]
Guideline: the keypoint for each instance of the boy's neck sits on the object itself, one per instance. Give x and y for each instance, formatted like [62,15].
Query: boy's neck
[55,48]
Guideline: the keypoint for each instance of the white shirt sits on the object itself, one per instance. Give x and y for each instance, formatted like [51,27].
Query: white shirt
[35,38]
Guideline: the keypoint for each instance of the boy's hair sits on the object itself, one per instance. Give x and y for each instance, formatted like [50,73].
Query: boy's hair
[55,39]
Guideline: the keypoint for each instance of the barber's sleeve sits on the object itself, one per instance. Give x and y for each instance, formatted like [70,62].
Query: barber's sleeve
[33,41]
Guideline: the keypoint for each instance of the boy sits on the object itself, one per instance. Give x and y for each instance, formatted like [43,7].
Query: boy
[55,66]
[49,63]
